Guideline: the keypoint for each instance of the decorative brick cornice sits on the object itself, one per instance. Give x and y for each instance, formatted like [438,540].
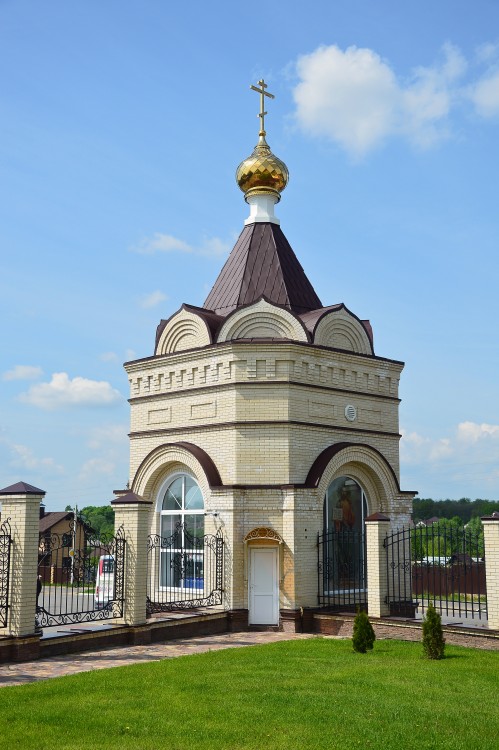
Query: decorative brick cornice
[230,385]
[259,424]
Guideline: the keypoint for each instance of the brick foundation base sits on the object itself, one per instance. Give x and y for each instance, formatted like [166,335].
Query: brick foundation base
[291,621]
[456,635]
[237,620]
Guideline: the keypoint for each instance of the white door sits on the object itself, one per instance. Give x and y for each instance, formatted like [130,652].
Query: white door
[263,586]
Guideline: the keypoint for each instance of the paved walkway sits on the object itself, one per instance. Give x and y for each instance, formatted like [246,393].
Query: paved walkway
[58,666]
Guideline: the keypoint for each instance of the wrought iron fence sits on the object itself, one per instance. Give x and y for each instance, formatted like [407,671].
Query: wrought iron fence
[442,565]
[184,571]
[5,547]
[82,577]
[341,566]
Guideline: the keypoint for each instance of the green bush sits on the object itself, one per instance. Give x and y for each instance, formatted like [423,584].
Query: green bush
[363,634]
[433,637]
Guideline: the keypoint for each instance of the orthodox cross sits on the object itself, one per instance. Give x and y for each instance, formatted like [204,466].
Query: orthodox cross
[263,94]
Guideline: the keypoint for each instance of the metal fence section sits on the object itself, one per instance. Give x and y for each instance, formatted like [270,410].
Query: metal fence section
[184,571]
[5,548]
[442,565]
[341,566]
[82,578]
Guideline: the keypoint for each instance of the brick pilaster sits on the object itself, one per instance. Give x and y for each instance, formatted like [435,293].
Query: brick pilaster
[132,512]
[377,527]
[491,541]
[21,505]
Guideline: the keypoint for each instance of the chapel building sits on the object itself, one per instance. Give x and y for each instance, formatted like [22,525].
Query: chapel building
[266,415]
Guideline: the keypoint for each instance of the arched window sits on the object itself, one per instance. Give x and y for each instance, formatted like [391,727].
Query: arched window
[343,544]
[182,533]
[345,506]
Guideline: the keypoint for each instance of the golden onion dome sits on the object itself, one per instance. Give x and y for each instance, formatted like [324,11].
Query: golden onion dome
[262,172]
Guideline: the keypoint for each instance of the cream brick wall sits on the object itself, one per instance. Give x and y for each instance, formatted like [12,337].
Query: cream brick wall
[263,412]
[23,512]
[491,539]
[377,584]
[259,362]
[136,519]
[308,523]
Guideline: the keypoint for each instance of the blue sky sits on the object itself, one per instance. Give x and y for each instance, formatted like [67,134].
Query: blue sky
[121,125]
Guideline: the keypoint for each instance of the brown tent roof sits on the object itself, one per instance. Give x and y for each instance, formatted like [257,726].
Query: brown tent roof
[262,263]
[21,488]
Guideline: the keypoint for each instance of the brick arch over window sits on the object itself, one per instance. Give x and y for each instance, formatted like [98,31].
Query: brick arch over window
[361,462]
[170,456]
[184,330]
[262,319]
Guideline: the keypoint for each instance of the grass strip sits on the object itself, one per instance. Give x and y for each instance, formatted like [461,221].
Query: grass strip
[297,694]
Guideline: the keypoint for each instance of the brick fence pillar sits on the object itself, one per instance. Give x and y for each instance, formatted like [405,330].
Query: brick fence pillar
[491,542]
[132,512]
[377,527]
[21,506]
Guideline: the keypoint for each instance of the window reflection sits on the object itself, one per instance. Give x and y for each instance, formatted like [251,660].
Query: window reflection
[182,535]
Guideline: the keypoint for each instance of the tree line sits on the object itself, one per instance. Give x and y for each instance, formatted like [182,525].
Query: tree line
[465,509]
[100,518]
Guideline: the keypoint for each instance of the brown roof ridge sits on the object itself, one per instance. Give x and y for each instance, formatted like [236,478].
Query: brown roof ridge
[246,261]
[262,262]
[277,230]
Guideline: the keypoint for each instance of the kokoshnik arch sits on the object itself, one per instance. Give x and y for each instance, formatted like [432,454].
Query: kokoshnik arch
[266,416]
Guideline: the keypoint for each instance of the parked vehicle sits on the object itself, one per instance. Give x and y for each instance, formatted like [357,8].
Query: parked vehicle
[104,582]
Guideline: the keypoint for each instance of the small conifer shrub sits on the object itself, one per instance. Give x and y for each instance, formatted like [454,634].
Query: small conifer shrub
[433,637]
[363,634]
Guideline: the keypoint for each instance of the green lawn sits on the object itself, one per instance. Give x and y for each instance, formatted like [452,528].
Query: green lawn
[304,694]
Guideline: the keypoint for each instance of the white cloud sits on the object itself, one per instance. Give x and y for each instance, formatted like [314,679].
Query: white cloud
[109,357]
[417,449]
[470,452]
[63,391]
[470,432]
[427,100]
[163,243]
[485,95]
[96,467]
[212,247]
[24,458]
[23,372]
[487,52]
[113,357]
[103,437]
[349,97]
[354,98]
[152,299]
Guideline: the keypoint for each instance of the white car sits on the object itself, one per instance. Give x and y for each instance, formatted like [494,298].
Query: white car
[104,582]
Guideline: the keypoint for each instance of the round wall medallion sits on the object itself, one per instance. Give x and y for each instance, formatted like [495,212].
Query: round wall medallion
[350,413]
